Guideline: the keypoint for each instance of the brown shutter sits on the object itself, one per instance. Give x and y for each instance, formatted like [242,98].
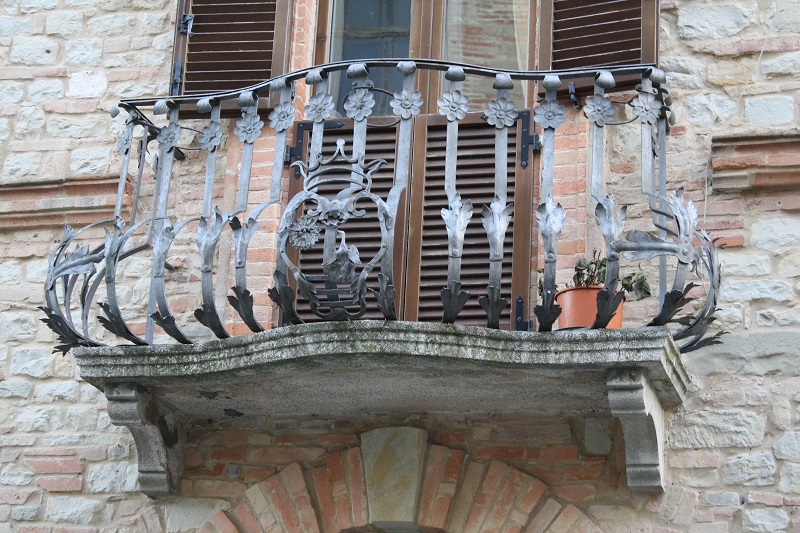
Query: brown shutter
[591,33]
[363,232]
[428,248]
[234,43]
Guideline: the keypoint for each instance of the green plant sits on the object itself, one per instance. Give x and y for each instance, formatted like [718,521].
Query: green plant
[636,285]
[590,271]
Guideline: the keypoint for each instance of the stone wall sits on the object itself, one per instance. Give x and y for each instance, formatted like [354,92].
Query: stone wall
[733,449]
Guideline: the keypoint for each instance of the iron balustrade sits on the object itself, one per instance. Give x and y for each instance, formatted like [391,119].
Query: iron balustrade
[77,270]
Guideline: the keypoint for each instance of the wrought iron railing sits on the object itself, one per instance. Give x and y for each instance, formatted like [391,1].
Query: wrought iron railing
[78,271]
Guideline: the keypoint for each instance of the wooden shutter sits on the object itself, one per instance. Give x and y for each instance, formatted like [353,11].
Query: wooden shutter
[363,232]
[591,33]
[232,44]
[428,249]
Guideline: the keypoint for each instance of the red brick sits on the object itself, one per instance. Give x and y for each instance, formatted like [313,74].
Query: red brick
[49,451]
[223,523]
[358,491]
[75,530]
[451,439]
[285,454]
[532,495]
[33,529]
[256,473]
[229,454]
[324,499]
[246,518]
[452,469]
[560,452]
[500,452]
[55,466]
[283,504]
[582,472]
[333,461]
[60,483]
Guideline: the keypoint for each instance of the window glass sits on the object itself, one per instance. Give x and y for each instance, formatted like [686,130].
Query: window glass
[492,34]
[370,29]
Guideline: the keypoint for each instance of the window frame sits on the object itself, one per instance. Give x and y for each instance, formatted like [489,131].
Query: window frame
[281,45]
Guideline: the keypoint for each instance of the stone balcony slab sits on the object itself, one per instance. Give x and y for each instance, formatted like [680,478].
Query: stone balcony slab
[344,368]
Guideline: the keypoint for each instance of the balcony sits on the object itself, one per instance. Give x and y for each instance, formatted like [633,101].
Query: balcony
[325,220]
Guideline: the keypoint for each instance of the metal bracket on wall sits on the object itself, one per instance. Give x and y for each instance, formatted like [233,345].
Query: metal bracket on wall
[529,140]
[521,323]
[296,151]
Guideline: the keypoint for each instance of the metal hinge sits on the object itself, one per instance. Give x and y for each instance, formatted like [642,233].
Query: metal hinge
[185,25]
[529,140]
[176,83]
[521,323]
[296,151]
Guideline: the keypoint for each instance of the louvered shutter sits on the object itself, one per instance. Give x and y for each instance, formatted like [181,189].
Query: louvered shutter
[428,248]
[363,232]
[231,44]
[590,33]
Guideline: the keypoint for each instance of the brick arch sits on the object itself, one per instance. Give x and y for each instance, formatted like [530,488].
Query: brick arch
[449,492]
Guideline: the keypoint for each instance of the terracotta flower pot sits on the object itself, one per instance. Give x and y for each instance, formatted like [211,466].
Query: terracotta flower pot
[579,307]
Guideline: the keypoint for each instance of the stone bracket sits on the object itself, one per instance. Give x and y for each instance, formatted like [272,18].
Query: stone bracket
[155,433]
[634,402]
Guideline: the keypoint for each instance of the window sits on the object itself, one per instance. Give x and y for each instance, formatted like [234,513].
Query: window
[224,45]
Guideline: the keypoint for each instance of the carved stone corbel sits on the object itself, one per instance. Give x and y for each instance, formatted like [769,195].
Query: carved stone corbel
[155,433]
[634,402]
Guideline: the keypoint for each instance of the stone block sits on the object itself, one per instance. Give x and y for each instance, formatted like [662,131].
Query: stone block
[735,290]
[64,23]
[15,389]
[34,51]
[714,21]
[86,52]
[769,110]
[39,419]
[11,91]
[190,513]
[765,521]
[707,110]
[790,479]
[787,15]
[11,26]
[30,120]
[788,446]
[34,362]
[772,233]
[785,64]
[87,85]
[61,390]
[5,129]
[32,6]
[778,317]
[73,509]
[83,418]
[20,168]
[789,266]
[14,474]
[393,464]
[10,272]
[69,127]
[44,89]
[112,477]
[755,469]
[744,264]
[89,161]
[720,499]
[22,513]
[718,429]
[111,25]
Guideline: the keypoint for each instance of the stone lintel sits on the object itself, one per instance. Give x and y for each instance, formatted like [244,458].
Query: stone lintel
[393,367]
